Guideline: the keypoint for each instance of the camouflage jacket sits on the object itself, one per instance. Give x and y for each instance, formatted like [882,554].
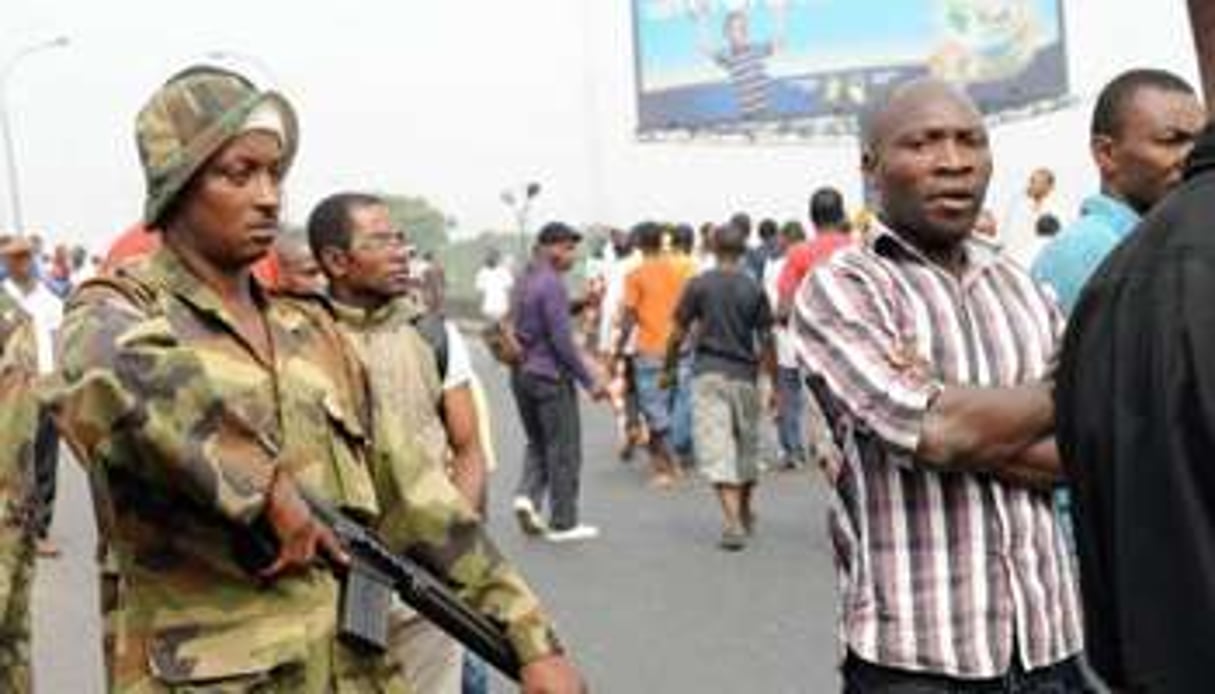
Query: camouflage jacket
[185,425]
[18,414]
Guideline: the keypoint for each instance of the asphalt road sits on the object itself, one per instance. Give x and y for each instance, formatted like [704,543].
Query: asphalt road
[650,606]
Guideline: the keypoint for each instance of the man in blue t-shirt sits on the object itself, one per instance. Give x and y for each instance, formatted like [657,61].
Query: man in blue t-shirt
[1143,126]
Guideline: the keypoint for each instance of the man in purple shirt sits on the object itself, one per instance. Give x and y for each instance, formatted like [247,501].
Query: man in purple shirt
[545,392]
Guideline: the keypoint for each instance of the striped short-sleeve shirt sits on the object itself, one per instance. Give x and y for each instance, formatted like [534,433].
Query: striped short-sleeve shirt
[748,77]
[942,572]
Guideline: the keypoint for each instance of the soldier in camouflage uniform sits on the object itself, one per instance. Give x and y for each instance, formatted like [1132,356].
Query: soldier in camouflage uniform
[201,404]
[18,422]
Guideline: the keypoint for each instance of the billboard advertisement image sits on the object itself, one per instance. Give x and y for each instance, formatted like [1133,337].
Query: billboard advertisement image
[739,64]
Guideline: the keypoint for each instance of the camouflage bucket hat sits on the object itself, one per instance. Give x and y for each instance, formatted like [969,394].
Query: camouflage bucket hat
[191,118]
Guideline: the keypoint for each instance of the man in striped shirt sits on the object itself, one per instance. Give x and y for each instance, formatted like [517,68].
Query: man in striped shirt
[936,352]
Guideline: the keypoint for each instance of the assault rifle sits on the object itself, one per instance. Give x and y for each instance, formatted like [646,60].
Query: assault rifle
[374,574]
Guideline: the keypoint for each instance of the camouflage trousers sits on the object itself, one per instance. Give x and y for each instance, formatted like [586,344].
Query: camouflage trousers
[283,655]
[16,584]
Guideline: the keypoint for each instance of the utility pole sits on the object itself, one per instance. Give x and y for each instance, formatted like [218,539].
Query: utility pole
[6,128]
[1202,23]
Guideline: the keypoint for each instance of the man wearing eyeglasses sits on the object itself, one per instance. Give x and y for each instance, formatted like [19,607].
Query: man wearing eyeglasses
[367,261]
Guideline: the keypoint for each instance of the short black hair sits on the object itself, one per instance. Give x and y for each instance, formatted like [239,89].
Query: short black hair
[647,236]
[827,208]
[1047,225]
[793,230]
[330,224]
[1112,102]
[729,240]
[742,220]
[683,237]
[768,229]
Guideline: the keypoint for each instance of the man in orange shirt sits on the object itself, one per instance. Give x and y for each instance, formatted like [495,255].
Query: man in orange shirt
[651,292]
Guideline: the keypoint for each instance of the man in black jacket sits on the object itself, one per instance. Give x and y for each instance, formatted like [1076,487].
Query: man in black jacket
[1136,407]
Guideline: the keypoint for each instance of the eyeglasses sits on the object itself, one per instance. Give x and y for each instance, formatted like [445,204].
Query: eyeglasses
[380,240]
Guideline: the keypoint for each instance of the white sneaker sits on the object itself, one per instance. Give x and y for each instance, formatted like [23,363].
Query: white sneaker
[530,521]
[574,534]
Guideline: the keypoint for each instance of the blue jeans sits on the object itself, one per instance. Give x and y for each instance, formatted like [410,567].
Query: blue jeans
[656,403]
[789,417]
[681,413]
[476,675]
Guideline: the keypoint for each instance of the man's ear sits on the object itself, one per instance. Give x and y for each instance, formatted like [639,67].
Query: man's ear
[869,167]
[1102,148]
[334,262]
[869,161]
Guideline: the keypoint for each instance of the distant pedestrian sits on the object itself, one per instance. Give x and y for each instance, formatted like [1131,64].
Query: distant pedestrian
[732,322]
[651,292]
[493,282]
[831,233]
[544,385]
[1017,233]
[789,392]
[683,240]
[19,414]
[45,310]
[622,258]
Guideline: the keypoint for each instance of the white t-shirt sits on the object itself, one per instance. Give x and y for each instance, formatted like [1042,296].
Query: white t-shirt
[613,298]
[786,354]
[459,364]
[46,310]
[494,284]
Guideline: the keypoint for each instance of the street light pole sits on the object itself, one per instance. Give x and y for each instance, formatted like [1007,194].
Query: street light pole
[6,126]
[521,206]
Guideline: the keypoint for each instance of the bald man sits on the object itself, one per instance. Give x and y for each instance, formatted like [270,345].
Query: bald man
[934,352]
[298,271]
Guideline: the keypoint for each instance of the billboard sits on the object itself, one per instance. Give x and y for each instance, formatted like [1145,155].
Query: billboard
[748,64]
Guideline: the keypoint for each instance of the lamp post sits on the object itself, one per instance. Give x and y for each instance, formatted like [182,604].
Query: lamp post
[521,206]
[6,126]
[1202,23]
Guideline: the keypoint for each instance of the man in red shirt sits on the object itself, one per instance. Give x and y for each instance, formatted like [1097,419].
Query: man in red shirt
[831,233]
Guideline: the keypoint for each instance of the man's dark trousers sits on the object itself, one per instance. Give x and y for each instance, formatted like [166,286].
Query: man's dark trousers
[861,677]
[553,460]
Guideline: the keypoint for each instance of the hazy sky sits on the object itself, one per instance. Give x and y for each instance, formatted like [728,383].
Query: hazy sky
[458,99]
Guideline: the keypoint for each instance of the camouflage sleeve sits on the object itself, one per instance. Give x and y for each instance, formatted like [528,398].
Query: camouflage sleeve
[134,396]
[424,515]
[18,408]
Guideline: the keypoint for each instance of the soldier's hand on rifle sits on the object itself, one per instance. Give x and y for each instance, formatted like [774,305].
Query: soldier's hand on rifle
[300,535]
[553,674]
